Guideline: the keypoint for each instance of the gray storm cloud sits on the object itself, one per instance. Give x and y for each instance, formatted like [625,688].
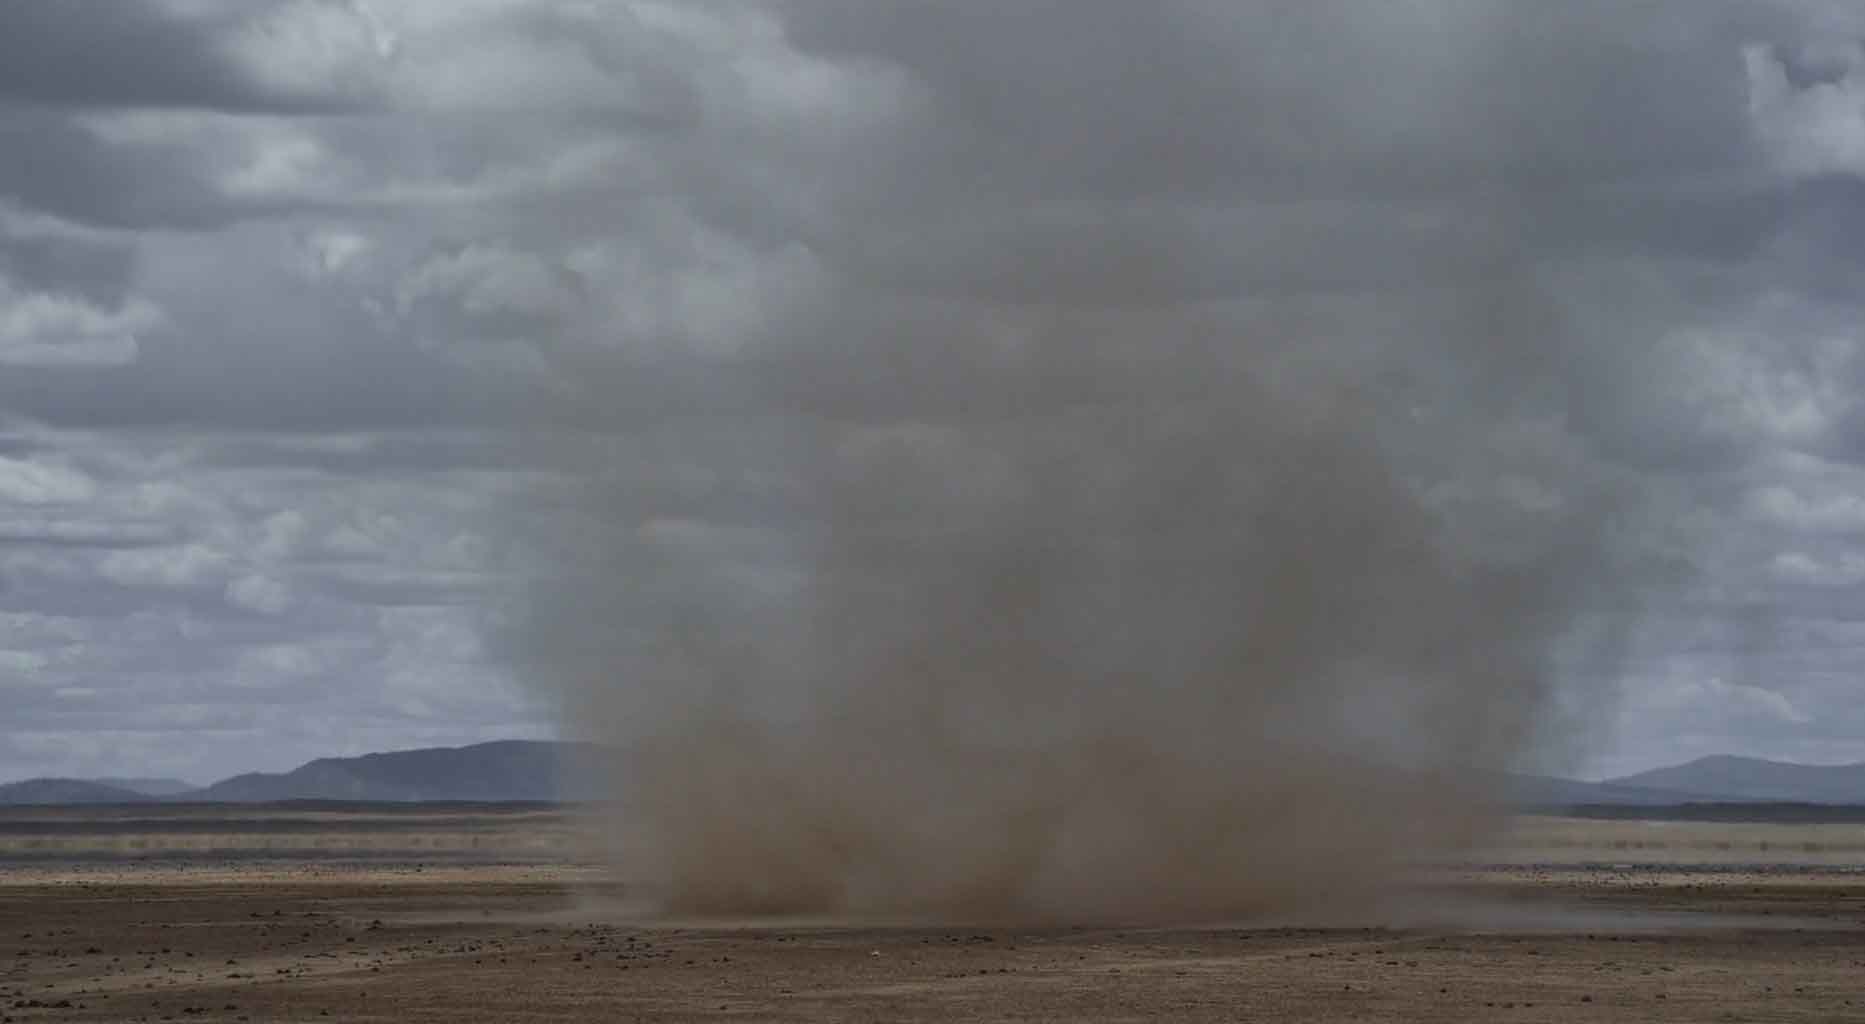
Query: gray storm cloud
[278,279]
[1160,498]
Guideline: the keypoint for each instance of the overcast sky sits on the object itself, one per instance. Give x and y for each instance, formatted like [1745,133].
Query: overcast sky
[278,281]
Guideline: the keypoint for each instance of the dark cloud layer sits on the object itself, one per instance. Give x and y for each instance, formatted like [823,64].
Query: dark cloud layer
[147,55]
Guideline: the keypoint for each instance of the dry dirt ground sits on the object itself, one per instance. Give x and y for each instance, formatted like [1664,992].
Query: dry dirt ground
[431,925]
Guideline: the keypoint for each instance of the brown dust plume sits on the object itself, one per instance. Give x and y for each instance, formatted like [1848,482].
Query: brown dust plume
[1111,522]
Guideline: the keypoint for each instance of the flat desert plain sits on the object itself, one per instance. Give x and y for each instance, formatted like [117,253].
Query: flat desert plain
[498,913]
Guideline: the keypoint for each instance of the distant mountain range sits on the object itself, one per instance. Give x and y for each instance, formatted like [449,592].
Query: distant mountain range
[501,771]
[1547,791]
[68,791]
[149,787]
[1754,780]
[532,770]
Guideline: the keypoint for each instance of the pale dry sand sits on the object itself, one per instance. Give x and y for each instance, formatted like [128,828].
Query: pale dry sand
[1549,840]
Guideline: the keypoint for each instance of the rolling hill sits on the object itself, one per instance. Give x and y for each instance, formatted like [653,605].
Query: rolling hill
[1729,779]
[149,787]
[535,770]
[503,770]
[66,791]
[1549,791]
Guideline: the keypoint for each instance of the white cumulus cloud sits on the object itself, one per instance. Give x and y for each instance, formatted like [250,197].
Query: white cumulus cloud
[182,565]
[43,482]
[260,594]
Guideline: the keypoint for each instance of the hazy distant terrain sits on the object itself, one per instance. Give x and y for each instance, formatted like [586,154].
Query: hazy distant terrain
[536,770]
[1547,791]
[1752,779]
[149,787]
[506,770]
[67,791]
